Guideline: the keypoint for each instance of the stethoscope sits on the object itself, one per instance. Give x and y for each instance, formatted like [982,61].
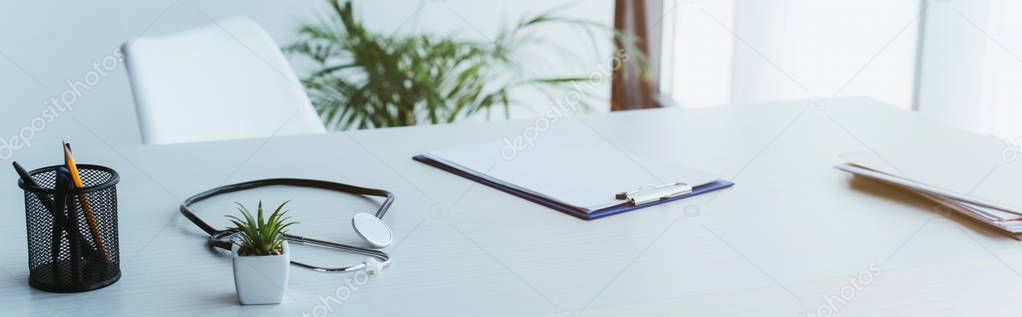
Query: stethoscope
[370,227]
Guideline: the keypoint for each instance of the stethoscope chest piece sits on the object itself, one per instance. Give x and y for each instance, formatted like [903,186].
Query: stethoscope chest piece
[372,229]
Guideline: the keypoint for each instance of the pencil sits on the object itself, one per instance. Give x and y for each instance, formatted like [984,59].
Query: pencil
[89,215]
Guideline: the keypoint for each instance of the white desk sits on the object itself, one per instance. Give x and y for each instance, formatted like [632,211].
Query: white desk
[792,228]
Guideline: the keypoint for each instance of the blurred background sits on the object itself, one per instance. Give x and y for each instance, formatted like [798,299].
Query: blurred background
[956,61]
[953,60]
[44,45]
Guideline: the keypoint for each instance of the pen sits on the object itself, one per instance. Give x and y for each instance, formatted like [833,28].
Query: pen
[60,194]
[58,216]
[59,220]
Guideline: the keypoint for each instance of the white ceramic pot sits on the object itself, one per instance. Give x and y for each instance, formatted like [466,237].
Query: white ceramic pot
[261,279]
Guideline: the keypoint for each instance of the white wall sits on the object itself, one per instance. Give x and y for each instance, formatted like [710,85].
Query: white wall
[45,43]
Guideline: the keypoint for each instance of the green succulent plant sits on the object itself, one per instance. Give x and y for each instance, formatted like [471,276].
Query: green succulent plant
[258,235]
[367,79]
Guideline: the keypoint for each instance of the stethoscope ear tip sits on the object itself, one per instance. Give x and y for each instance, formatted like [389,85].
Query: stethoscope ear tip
[373,267]
[372,229]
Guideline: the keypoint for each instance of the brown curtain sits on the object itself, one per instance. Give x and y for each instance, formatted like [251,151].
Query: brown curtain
[642,18]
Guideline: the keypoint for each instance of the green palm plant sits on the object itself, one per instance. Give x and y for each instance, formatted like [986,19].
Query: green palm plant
[258,235]
[365,79]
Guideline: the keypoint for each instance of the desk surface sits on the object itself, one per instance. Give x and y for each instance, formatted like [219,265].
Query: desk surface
[783,241]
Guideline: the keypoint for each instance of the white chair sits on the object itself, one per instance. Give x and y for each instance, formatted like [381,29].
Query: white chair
[227,80]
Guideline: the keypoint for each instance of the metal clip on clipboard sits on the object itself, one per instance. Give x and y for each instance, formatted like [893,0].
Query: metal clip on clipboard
[651,193]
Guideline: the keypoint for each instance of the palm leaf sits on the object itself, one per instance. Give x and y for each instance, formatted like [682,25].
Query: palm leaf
[367,79]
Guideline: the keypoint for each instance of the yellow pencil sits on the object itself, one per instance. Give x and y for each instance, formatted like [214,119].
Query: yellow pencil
[76,177]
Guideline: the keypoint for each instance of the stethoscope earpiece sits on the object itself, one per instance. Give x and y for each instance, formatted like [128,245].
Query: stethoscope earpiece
[373,267]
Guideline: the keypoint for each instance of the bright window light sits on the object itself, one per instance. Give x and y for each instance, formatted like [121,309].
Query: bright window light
[755,51]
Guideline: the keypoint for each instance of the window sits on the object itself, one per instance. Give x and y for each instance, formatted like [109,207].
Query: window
[732,51]
[971,67]
[959,62]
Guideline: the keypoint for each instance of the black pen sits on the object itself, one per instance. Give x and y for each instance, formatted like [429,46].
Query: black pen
[58,215]
[63,186]
[59,220]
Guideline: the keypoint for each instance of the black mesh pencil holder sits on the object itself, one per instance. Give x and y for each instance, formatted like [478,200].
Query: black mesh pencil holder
[74,248]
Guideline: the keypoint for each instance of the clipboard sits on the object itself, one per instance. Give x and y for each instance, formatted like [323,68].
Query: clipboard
[625,206]
[573,170]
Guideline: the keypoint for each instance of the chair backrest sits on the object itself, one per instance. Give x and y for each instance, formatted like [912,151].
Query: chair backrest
[227,80]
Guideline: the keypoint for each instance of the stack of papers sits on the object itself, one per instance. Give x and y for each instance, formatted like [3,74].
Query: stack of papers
[1008,222]
[940,177]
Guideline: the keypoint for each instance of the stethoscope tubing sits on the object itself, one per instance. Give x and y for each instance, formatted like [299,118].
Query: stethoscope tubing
[221,238]
[384,257]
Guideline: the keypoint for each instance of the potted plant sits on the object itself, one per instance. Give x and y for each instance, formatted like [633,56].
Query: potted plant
[260,255]
[364,78]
